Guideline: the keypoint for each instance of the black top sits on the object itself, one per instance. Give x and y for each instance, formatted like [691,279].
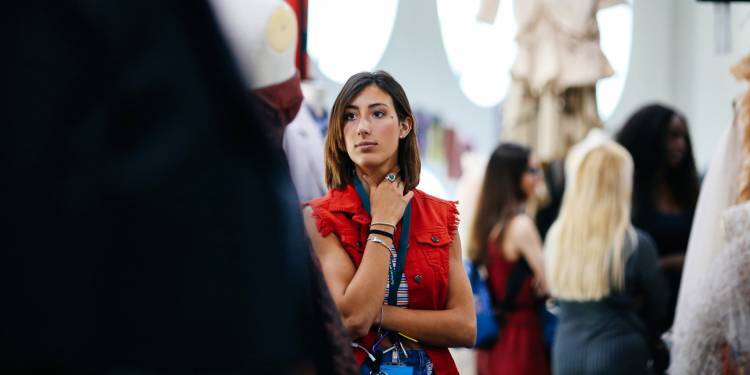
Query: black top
[671,233]
[612,335]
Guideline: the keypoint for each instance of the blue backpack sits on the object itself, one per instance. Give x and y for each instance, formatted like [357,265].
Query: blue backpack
[488,327]
[489,313]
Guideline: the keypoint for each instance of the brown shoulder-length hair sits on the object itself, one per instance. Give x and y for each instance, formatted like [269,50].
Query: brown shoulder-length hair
[339,167]
[500,197]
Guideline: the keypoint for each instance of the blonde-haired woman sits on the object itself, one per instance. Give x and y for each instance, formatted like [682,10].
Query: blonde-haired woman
[604,274]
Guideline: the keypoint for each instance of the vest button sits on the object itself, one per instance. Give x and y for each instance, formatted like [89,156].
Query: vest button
[435,238]
[359,243]
[418,279]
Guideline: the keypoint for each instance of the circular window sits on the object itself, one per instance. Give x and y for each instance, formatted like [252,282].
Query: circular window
[349,36]
[615,29]
[479,54]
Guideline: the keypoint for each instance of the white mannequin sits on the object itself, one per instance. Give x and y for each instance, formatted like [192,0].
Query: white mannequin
[315,97]
[551,103]
[565,27]
[303,144]
[262,35]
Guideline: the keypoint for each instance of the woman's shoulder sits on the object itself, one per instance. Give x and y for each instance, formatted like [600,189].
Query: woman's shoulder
[520,226]
[639,250]
[519,235]
[644,241]
[333,211]
[323,201]
[434,210]
[431,199]
[335,199]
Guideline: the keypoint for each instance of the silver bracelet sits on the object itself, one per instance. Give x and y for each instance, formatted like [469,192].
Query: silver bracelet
[391,248]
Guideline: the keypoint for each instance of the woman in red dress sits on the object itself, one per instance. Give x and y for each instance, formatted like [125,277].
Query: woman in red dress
[503,238]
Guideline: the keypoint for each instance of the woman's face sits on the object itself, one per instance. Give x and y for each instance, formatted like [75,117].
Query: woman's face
[676,141]
[531,177]
[372,129]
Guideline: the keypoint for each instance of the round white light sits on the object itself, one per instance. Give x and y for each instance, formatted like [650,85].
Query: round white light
[479,54]
[349,36]
[615,29]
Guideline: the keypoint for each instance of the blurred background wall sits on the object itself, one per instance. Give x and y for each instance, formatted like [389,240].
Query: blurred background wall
[672,61]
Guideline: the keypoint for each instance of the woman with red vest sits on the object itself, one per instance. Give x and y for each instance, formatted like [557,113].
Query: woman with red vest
[393,263]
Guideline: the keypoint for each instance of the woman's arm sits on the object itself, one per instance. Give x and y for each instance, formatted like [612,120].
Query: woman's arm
[652,282]
[452,327]
[358,293]
[672,263]
[522,238]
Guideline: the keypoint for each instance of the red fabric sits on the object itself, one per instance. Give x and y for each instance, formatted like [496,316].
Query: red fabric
[300,9]
[433,223]
[278,106]
[519,348]
[284,98]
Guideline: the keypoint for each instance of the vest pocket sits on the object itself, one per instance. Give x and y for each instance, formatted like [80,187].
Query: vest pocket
[434,244]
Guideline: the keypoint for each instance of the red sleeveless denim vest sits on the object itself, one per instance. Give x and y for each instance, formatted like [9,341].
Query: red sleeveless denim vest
[433,224]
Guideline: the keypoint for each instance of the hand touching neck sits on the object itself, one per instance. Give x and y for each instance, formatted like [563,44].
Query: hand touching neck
[374,175]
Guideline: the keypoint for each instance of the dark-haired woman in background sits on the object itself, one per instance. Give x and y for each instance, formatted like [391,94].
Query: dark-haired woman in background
[501,237]
[665,183]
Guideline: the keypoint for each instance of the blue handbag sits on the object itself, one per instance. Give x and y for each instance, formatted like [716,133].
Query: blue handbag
[488,327]
[489,311]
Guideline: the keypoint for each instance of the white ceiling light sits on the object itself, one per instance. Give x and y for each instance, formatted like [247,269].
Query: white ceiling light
[616,33]
[479,54]
[349,36]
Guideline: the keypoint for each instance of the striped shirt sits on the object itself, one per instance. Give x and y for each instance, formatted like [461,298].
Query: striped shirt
[402,295]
